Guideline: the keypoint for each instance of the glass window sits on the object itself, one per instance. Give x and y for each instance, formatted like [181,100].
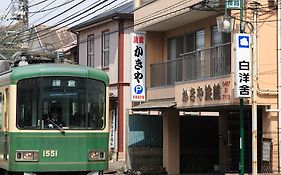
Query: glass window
[219,38]
[200,39]
[216,36]
[90,50]
[105,49]
[175,46]
[61,103]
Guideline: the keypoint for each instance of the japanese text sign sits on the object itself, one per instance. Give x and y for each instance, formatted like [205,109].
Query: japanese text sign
[232,4]
[242,72]
[137,67]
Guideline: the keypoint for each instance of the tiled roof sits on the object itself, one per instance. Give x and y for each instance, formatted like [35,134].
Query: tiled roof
[58,38]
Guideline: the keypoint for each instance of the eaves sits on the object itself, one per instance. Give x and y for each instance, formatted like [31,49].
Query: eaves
[99,21]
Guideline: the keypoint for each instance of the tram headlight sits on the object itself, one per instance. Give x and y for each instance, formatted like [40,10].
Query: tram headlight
[96,155]
[27,155]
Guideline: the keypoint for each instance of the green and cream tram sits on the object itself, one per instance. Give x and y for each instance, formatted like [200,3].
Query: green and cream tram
[53,120]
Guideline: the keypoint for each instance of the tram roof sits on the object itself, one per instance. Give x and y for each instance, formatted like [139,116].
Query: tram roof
[45,70]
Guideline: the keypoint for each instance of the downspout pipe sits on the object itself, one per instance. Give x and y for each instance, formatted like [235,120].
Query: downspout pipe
[279,80]
[120,87]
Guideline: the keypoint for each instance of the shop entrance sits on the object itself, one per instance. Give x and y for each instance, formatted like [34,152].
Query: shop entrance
[199,144]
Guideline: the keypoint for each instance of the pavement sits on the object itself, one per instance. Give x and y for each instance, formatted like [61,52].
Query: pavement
[115,167]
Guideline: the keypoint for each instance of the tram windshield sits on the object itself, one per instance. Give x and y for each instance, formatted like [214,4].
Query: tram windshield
[60,102]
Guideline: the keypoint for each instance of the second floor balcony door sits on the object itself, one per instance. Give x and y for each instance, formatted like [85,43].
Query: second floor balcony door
[175,49]
[200,59]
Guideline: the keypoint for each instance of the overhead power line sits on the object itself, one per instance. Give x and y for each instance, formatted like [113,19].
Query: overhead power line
[37,3]
[56,7]
[101,8]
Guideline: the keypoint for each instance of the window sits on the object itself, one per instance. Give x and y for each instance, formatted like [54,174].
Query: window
[60,102]
[91,50]
[220,53]
[105,49]
[219,38]
[175,46]
[193,64]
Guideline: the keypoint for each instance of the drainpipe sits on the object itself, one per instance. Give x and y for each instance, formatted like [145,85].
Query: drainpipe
[279,80]
[120,87]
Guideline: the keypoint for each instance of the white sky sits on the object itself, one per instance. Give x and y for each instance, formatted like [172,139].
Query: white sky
[47,4]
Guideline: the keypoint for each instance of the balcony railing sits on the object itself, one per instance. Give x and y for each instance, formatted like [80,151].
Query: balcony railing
[197,65]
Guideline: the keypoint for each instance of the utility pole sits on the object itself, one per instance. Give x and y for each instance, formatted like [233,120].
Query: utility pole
[25,14]
[279,80]
[254,92]
[242,150]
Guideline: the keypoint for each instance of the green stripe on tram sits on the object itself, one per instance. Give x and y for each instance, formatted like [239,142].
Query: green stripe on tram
[43,70]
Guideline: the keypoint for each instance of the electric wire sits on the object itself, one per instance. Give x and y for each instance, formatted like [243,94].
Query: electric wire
[43,36]
[37,3]
[24,31]
[74,16]
[52,8]
[146,21]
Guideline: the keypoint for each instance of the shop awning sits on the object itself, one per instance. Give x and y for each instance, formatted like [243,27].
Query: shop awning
[156,104]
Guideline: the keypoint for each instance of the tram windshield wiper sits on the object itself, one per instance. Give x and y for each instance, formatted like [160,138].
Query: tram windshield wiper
[56,125]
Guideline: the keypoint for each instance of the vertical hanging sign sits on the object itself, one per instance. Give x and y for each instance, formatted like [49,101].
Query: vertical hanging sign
[138,67]
[242,72]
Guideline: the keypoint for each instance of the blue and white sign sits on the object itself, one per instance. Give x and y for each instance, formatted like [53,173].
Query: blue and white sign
[138,67]
[244,41]
[242,73]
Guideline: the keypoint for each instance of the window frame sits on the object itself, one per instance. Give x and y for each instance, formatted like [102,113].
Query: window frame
[91,50]
[105,50]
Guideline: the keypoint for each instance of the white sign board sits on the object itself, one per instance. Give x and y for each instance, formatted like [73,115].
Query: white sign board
[138,67]
[242,72]
[112,133]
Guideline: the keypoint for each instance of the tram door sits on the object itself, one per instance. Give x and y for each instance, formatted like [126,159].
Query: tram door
[5,107]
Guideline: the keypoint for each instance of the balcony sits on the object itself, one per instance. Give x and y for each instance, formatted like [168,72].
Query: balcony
[197,65]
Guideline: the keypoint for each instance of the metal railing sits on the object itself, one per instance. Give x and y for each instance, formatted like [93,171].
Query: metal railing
[196,65]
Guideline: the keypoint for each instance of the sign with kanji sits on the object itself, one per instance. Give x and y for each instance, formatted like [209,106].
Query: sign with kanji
[138,67]
[204,93]
[232,4]
[242,72]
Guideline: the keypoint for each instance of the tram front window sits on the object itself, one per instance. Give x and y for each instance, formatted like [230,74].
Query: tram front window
[60,102]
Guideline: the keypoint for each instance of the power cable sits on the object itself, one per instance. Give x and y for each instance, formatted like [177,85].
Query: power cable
[43,36]
[52,8]
[71,18]
[37,3]
[48,19]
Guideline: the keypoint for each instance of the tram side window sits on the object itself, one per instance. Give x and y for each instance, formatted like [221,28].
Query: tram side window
[96,105]
[27,103]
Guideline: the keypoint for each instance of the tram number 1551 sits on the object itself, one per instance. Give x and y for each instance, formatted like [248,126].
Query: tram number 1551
[50,153]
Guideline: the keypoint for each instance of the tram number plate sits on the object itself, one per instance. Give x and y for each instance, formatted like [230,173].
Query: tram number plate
[50,153]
